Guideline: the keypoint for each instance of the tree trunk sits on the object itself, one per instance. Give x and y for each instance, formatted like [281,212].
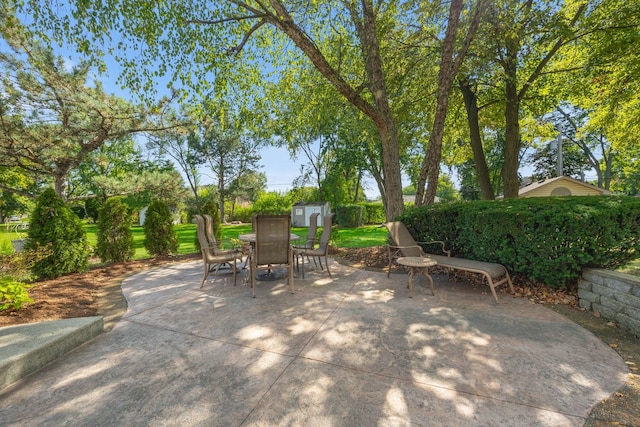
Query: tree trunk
[448,69]
[430,169]
[221,191]
[482,170]
[60,186]
[380,113]
[512,143]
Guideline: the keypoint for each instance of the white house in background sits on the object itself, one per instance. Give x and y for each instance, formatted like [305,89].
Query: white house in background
[561,186]
[411,198]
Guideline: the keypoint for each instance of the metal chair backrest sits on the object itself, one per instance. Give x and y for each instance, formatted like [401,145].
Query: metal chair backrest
[208,221]
[311,233]
[201,233]
[273,238]
[325,237]
[401,237]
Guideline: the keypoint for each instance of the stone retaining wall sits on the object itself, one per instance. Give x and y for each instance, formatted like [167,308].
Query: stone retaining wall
[616,296]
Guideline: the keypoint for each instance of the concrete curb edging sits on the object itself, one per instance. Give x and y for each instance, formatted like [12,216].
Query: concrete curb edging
[28,347]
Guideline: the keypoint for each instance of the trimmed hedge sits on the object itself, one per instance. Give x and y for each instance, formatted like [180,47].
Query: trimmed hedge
[374,213]
[548,239]
[350,216]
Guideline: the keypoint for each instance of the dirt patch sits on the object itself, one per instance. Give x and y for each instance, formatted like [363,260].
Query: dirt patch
[97,292]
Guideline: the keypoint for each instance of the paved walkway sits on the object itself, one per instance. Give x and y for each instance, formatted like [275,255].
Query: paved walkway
[348,351]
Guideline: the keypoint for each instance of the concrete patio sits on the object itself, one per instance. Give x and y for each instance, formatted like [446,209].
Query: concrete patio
[353,350]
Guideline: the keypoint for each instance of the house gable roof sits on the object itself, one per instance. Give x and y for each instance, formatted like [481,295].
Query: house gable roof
[560,179]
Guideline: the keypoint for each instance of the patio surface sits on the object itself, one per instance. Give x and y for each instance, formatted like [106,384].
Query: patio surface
[353,350]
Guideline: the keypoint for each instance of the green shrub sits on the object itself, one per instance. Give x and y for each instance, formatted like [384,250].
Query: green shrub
[52,222]
[373,213]
[14,270]
[547,239]
[272,203]
[13,294]
[242,214]
[350,216]
[92,208]
[159,236]
[114,237]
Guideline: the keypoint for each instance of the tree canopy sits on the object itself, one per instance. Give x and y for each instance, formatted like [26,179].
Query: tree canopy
[377,78]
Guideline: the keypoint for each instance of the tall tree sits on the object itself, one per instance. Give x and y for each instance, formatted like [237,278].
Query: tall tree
[248,30]
[525,37]
[360,47]
[450,62]
[228,151]
[51,118]
[179,146]
[475,139]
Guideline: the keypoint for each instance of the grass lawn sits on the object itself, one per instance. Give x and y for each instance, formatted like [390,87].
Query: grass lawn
[347,238]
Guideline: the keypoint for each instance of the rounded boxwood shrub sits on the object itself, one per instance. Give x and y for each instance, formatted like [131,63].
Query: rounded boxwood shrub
[115,240]
[53,223]
[160,238]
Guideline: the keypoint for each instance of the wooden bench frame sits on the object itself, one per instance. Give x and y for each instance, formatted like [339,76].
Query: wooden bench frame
[496,274]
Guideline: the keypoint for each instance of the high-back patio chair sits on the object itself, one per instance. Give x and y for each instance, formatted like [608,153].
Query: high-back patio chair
[213,242]
[310,241]
[272,248]
[323,246]
[211,260]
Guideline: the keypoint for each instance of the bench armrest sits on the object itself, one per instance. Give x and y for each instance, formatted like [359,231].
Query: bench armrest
[442,244]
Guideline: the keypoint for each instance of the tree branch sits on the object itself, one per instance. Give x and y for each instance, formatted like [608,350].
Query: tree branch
[543,63]
[224,20]
[235,50]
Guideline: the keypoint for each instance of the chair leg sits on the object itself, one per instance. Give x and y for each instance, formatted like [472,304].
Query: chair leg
[291,278]
[253,281]
[206,273]
[234,272]
[326,261]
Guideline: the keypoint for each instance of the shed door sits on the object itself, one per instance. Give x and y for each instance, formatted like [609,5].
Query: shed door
[311,210]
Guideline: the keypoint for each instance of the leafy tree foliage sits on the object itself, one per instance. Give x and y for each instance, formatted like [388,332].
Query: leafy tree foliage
[160,239]
[115,240]
[545,162]
[348,43]
[273,203]
[178,144]
[51,118]
[228,151]
[52,222]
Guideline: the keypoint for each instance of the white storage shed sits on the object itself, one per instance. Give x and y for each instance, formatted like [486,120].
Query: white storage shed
[300,213]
